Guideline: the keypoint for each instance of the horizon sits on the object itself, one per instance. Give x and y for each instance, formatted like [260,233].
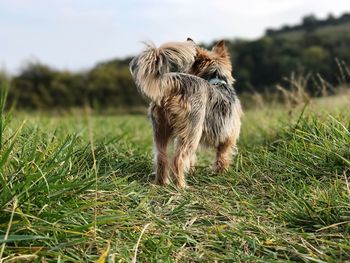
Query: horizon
[76,36]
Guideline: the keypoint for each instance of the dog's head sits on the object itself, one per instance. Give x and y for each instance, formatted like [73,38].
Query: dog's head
[213,64]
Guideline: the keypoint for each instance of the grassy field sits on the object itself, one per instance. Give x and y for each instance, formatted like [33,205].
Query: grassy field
[77,188]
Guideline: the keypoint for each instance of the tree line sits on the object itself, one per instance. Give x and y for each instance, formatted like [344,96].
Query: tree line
[316,47]
[39,86]
[310,23]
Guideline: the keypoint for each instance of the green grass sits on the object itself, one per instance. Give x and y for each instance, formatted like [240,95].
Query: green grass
[77,188]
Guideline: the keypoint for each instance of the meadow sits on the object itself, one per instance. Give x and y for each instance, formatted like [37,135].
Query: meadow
[78,188]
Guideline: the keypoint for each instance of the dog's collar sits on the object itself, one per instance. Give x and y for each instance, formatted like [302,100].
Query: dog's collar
[216,81]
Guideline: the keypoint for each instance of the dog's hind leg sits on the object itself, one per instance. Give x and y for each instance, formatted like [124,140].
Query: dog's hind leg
[193,160]
[224,153]
[161,136]
[185,150]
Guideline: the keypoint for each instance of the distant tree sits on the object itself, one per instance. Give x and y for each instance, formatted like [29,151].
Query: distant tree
[330,19]
[345,18]
[315,57]
[31,88]
[269,32]
[112,85]
[309,22]
[286,28]
[68,90]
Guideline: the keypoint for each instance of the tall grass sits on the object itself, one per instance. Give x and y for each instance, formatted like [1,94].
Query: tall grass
[299,89]
[78,189]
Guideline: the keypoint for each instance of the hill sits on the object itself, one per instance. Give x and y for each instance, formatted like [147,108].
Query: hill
[317,48]
[312,24]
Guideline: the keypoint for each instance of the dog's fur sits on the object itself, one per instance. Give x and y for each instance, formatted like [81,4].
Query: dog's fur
[192,100]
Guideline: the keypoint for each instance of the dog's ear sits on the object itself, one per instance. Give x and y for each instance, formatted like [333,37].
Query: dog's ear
[220,48]
[190,40]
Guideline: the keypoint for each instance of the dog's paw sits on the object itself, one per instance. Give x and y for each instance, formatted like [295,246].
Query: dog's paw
[220,168]
[181,184]
[161,182]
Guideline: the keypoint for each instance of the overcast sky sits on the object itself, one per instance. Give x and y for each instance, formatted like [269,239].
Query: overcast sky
[75,34]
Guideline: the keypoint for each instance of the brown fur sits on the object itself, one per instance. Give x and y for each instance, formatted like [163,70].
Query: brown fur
[188,107]
[224,153]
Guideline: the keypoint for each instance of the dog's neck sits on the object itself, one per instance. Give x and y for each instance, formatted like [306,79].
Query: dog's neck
[216,81]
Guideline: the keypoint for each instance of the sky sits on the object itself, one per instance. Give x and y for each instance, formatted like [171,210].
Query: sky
[77,34]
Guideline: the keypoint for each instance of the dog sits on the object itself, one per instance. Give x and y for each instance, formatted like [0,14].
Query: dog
[192,100]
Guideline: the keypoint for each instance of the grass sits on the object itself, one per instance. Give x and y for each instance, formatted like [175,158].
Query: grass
[76,188]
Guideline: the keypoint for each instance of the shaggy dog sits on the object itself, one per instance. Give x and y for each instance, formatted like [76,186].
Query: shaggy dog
[192,100]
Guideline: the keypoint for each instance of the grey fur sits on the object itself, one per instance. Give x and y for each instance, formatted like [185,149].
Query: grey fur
[187,107]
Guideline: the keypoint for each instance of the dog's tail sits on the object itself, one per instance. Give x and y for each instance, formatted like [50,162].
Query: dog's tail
[150,69]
